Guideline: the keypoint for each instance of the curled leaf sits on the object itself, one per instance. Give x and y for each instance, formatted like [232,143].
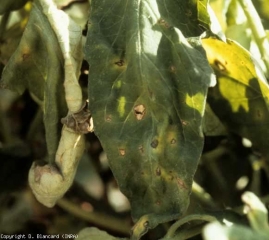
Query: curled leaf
[50,182]
[69,36]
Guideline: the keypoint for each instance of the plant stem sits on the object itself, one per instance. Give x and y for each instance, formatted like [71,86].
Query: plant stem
[201,217]
[100,219]
[257,31]
[3,24]
[188,233]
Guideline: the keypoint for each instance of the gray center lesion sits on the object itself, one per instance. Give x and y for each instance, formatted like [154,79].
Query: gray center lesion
[81,121]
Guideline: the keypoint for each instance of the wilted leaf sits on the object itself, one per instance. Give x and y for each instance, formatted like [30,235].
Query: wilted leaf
[240,98]
[11,5]
[37,65]
[50,182]
[147,89]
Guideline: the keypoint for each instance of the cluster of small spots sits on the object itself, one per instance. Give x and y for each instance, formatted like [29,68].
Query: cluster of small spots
[154,143]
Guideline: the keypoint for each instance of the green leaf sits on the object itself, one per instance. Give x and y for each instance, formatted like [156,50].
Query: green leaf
[240,98]
[147,89]
[37,65]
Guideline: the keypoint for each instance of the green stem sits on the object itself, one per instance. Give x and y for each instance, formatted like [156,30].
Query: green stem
[258,31]
[194,217]
[189,233]
[100,219]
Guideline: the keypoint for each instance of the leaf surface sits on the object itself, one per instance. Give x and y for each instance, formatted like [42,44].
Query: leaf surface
[240,98]
[147,89]
[37,65]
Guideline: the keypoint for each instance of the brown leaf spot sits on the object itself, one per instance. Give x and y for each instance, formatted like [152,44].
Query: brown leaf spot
[120,63]
[181,183]
[173,141]
[146,224]
[108,118]
[173,69]
[158,203]
[122,152]
[141,149]
[158,171]
[25,56]
[184,123]
[139,111]
[220,66]
[163,23]
[154,143]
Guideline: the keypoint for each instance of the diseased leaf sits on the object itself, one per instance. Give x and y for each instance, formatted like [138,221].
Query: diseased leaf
[50,182]
[37,65]
[240,98]
[147,89]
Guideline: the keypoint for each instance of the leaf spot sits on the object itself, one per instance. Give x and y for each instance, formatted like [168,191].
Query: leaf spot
[163,23]
[181,183]
[189,13]
[108,118]
[122,152]
[220,66]
[139,111]
[141,149]
[184,123]
[173,141]
[173,69]
[146,224]
[120,63]
[25,56]
[158,171]
[158,203]
[154,143]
